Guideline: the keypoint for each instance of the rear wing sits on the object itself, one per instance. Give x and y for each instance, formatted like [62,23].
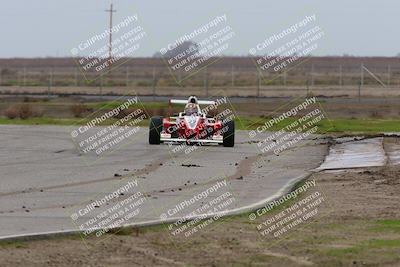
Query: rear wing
[200,102]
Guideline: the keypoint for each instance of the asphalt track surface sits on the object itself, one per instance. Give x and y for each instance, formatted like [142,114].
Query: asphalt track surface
[46,184]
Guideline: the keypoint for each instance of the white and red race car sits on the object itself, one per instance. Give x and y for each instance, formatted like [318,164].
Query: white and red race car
[193,126]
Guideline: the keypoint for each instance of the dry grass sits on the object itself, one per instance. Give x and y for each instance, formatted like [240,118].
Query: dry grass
[79,110]
[22,111]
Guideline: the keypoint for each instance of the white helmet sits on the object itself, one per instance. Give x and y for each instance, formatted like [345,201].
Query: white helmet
[191,109]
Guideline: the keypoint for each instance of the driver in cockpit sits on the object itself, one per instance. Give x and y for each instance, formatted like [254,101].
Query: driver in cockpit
[192,107]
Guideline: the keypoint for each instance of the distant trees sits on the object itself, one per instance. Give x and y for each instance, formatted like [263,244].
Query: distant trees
[182,47]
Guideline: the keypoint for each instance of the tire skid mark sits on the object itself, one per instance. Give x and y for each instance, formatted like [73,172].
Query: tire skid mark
[147,169]
[52,157]
[243,169]
[37,134]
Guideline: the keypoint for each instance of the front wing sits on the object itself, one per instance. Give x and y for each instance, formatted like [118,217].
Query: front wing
[215,139]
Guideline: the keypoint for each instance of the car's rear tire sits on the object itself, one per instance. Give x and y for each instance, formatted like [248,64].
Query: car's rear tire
[155,128]
[229,134]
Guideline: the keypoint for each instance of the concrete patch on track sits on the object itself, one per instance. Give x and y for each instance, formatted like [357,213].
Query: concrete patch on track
[348,154]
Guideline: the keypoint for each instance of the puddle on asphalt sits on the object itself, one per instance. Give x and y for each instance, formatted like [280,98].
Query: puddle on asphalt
[355,154]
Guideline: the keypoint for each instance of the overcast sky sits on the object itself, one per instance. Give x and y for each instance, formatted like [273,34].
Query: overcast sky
[40,28]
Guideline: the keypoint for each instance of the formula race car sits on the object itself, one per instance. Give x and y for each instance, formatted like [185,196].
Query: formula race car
[193,125]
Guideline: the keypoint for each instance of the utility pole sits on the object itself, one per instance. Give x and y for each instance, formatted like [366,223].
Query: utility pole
[362,75]
[111,10]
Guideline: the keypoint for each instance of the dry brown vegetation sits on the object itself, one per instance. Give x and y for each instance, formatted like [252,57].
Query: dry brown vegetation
[78,110]
[22,111]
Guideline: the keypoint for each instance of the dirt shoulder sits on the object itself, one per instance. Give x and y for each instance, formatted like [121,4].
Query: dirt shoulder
[359,225]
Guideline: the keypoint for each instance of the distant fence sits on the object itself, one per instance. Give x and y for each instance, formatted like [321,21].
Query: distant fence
[239,79]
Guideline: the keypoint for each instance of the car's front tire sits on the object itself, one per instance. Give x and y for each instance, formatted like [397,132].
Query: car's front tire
[229,134]
[155,128]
